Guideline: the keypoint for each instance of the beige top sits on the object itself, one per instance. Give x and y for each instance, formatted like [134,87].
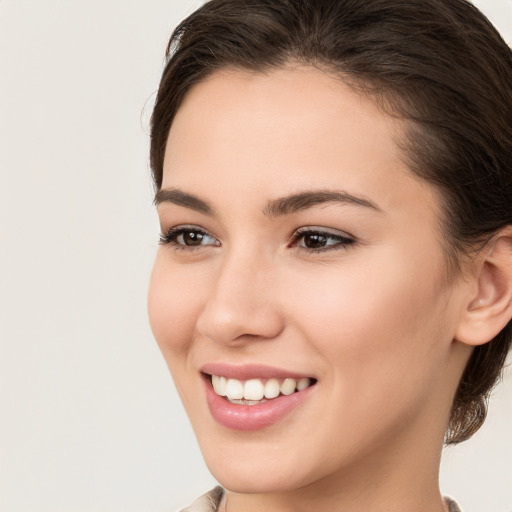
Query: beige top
[211,501]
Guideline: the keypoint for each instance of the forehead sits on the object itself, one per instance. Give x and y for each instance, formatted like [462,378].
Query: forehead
[282,106]
[288,129]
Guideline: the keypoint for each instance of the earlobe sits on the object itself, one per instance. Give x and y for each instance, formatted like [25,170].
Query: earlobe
[490,308]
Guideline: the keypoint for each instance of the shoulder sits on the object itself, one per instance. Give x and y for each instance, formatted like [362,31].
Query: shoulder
[208,502]
[452,506]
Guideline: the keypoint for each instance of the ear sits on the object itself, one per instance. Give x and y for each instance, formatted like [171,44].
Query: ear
[489,308]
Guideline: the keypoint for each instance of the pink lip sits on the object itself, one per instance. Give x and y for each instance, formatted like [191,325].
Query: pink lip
[249,371]
[252,417]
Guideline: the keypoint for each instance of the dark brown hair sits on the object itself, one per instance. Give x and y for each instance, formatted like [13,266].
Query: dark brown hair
[438,64]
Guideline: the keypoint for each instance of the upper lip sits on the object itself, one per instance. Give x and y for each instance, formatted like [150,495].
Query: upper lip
[250,371]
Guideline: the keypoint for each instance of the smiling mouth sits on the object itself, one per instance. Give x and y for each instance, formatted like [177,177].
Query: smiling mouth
[257,391]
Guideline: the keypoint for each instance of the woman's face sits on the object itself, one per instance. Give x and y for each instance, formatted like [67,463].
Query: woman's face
[297,245]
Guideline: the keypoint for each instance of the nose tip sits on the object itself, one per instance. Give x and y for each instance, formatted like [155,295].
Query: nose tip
[229,326]
[240,308]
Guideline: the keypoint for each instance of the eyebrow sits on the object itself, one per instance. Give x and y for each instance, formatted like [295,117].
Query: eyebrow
[180,198]
[304,200]
[275,208]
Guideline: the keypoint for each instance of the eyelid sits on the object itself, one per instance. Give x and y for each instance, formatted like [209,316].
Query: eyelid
[168,237]
[345,240]
[324,231]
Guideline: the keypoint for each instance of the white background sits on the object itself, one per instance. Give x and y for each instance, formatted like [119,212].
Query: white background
[89,419]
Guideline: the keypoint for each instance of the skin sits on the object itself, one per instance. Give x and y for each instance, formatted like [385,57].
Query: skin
[373,321]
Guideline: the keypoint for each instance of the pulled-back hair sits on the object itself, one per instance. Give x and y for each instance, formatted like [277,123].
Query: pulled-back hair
[437,64]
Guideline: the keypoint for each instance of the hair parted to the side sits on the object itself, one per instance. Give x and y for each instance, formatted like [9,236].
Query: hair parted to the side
[438,64]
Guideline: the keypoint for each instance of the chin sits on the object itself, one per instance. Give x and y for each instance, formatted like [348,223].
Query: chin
[251,480]
[259,467]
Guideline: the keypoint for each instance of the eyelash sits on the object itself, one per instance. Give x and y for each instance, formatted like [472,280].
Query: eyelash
[341,241]
[171,237]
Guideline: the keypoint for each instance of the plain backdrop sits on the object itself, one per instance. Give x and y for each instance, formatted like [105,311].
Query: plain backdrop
[89,419]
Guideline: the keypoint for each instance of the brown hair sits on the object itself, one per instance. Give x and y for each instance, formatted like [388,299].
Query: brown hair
[438,64]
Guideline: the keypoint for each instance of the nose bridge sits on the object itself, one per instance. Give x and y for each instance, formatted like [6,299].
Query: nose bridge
[240,302]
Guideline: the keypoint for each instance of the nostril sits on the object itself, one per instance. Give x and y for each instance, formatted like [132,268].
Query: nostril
[239,308]
[239,326]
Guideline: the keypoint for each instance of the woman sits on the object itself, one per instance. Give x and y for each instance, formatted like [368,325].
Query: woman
[333,289]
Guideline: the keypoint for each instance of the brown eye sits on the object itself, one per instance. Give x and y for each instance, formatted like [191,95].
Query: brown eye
[314,241]
[187,237]
[192,238]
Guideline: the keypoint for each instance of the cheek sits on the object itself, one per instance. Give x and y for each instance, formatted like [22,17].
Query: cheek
[369,319]
[379,337]
[174,303]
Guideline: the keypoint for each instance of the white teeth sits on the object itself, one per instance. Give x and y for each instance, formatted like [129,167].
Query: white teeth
[247,402]
[223,382]
[234,389]
[272,388]
[288,386]
[215,383]
[253,389]
[303,384]
[219,385]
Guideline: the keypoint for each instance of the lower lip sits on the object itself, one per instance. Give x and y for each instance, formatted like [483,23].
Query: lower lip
[252,417]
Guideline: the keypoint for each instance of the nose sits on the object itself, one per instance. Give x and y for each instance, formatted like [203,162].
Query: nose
[242,304]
